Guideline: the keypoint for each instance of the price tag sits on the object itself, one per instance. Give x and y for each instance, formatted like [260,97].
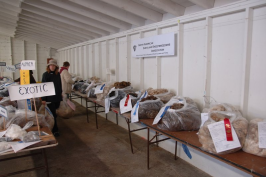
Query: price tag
[99,89]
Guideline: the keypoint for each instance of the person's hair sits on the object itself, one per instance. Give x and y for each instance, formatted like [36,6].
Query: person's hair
[66,64]
[48,69]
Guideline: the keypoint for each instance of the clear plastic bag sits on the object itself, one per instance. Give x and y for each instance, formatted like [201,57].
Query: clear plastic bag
[148,109]
[135,96]
[106,89]
[15,132]
[183,114]
[30,137]
[64,110]
[4,146]
[115,97]
[91,93]
[164,94]
[5,101]
[49,118]
[252,140]
[20,118]
[77,86]
[239,123]
[10,113]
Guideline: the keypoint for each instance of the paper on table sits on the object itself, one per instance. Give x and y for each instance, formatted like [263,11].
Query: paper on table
[21,145]
[217,131]
[2,133]
[7,150]
[204,118]
[262,134]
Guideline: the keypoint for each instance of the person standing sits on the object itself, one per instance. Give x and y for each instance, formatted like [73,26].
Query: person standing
[66,79]
[32,80]
[53,102]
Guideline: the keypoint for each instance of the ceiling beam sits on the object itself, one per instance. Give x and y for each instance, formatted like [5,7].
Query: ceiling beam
[136,9]
[8,21]
[71,15]
[6,11]
[167,6]
[9,7]
[15,3]
[90,13]
[207,4]
[38,41]
[2,14]
[62,19]
[47,27]
[37,18]
[40,38]
[52,36]
[52,33]
[112,11]
[7,30]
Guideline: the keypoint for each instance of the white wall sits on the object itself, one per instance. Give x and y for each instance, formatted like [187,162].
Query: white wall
[220,52]
[13,51]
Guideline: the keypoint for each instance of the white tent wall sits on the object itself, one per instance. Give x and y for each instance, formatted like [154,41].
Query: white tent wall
[13,51]
[220,52]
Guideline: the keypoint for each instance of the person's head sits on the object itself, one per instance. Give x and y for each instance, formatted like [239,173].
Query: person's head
[52,66]
[66,64]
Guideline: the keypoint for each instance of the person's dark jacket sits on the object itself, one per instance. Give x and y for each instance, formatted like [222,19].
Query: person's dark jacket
[56,79]
[32,80]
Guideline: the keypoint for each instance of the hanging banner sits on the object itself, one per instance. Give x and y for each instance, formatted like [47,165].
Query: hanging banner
[28,65]
[21,92]
[160,45]
[10,68]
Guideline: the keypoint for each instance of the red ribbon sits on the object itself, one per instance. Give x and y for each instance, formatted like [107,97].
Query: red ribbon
[228,129]
[126,102]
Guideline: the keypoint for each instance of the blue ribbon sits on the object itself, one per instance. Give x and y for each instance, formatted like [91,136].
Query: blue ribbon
[102,87]
[135,112]
[186,150]
[165,109]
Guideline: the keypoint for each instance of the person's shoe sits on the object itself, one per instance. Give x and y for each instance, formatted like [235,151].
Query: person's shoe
[56,134]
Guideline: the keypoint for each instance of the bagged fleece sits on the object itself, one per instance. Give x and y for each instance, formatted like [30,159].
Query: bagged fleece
[179,114]
[164,94]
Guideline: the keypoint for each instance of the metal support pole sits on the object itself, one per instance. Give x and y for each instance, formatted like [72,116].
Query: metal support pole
[45,161]
[148,148]
[96,115]
[129,134]
[87,111]
[116,118]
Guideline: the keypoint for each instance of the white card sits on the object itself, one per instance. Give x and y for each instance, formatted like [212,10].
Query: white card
[21,145]
[135,113]
[27,65]
[160,114]
[204,118]
[217,131]
[99,89]
[123,108]
[262,134]
[107,105]
[3,111]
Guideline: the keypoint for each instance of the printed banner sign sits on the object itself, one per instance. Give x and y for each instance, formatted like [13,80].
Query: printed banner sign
[28,65]
[160,45]
[2,63]
[21,92]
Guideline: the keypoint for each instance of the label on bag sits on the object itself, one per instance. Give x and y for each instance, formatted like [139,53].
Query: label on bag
[219,139]
[99,89]
[89,86]
[262,134]
[125,104]
[144,95]
[160,114]
[135,113]
[204,118]
[107,105]
[3,112]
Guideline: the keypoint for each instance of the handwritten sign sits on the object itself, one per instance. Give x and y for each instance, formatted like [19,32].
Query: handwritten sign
[21,92]
[28,65]
[17,66]
[3,111]
[10,68]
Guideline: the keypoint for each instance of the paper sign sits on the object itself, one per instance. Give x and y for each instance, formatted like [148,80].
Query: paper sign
[21,145]
[218,135]
[17,66]
[20,92]
[28,65]
[99,89]
[204,118]
[24,77]
[3,111]
[125,107]
[262,134]
[135,113]
[2,63]
[10,68]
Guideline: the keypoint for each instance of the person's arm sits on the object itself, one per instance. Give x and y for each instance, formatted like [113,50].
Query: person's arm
[68,78]
[44,80]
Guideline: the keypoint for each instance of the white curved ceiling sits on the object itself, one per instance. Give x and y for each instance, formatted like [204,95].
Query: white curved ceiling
[60,23]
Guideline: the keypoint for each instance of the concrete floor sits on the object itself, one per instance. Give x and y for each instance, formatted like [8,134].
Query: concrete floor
[85,151]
